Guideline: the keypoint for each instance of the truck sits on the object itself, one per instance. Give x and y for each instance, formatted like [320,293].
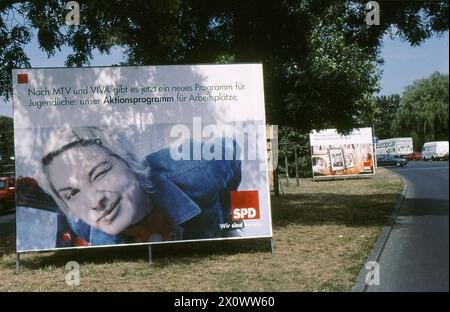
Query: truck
[435,150]
[398,147]
[7,193]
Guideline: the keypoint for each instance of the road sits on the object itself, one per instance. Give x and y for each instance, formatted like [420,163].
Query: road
[416,255]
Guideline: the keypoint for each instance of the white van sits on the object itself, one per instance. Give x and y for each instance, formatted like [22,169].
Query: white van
[434,150]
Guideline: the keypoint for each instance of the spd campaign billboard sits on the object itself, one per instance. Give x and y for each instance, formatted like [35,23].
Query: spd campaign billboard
[139,155]
[333,154]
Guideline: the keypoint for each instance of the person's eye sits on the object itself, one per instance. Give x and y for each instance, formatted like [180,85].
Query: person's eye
[71,194]
[102,171]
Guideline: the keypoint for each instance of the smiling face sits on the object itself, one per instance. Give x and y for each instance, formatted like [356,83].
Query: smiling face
[98,188]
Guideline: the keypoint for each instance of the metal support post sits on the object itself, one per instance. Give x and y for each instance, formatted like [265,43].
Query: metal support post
[287,168]
[17,263]
[150,256]
[296,166]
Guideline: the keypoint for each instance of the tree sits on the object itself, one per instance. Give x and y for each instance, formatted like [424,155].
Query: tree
[6,141]
[291,140]
[382,114]
[387,108]
[320,58]
[423,110]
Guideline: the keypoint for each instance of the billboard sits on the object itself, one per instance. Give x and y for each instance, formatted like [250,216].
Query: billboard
[139,155]
[394,146]
[333,154]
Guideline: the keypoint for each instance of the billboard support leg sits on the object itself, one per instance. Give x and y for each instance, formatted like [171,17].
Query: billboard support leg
[296,166]
[150,256]
[272,249]
[17,263]
[281,186]
[276,182]
[287,168]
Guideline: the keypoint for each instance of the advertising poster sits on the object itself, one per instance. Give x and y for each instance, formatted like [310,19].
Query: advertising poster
[395,146]
[333,154]
[139,154]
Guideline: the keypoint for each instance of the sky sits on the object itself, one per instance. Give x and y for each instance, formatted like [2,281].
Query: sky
[403,64]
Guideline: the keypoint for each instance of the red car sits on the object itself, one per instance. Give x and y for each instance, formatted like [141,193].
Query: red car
[414,156]
[7,192]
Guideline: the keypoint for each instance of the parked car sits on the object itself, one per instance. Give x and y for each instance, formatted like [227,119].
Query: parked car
[434,150]
[7,193]
[414,156]
[389,160]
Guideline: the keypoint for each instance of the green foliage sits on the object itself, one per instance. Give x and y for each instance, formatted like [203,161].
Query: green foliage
[6,141]
[382,114]
[423,111]
[320,58]
[289,140]
[335,80]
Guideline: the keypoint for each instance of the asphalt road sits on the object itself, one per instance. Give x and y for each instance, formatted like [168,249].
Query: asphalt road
[416,254]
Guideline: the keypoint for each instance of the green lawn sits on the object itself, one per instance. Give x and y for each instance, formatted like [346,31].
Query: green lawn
[323,233]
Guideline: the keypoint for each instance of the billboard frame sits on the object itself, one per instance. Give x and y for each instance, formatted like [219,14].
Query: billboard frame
[150,244]
[342,176]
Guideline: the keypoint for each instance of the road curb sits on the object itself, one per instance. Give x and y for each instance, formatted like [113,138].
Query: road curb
[378,248]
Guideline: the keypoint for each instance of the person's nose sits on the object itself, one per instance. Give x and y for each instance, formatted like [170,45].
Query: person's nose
[99,201]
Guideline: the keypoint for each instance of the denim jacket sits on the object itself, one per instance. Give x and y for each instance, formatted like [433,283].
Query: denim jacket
[193,194]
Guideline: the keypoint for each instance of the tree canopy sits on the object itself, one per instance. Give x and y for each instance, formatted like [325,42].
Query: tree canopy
[320,58]
[382,114]
[6,141]
[423,110]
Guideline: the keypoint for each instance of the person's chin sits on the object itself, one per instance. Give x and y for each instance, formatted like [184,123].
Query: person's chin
[114,226]
[120,223]
[112,229]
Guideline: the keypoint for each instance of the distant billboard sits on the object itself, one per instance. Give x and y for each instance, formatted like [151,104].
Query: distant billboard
[394,146]
[139,154]
[333,154]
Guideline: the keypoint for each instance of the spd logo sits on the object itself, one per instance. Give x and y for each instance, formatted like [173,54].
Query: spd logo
[244,205]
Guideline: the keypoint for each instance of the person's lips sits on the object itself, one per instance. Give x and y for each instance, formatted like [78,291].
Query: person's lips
[111,212]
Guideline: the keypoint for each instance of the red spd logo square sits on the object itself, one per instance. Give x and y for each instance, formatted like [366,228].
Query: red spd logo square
[22,78]
[244,205]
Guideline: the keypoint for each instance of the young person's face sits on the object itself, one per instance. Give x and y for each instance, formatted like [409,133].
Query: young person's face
[98,188]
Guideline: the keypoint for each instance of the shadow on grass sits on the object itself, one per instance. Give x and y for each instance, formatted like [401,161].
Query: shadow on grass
[178,252]
[4,212]
[335,209]
[7,245]
[298,209]
[349,210]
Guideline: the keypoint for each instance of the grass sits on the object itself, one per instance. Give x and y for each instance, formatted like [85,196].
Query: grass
[323,233]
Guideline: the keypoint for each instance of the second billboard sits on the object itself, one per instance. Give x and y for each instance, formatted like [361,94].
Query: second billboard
[333,154]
